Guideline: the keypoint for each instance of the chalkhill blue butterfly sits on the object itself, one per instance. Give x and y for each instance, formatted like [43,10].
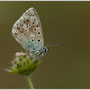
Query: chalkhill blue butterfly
[27,30]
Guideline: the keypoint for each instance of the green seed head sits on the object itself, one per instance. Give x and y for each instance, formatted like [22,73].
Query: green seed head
[23,64]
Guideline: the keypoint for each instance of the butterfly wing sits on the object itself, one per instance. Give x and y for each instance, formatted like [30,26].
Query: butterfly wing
[28,31]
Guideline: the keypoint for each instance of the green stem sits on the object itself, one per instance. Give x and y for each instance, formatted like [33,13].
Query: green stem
[30,82]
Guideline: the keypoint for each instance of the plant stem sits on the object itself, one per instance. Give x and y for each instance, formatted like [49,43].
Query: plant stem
[30,82]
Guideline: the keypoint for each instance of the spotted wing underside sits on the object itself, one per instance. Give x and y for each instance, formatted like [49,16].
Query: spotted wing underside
[28,31]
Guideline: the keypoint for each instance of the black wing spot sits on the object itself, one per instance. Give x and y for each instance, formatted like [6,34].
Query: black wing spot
[25,34]
[38,32]
[35,29]
[37,25]
[38,40]
[29,25]
[21,24]
[32,40]
[27,20]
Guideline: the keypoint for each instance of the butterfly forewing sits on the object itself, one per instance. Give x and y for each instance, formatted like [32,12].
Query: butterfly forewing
[28,31]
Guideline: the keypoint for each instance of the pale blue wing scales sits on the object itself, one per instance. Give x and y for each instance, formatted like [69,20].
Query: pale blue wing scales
[28,31]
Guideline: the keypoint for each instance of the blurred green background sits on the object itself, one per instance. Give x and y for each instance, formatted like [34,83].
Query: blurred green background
[64,67]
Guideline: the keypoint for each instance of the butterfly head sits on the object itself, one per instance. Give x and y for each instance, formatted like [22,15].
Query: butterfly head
[45,50]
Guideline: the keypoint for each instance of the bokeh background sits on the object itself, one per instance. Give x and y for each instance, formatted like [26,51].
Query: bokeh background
[64,67]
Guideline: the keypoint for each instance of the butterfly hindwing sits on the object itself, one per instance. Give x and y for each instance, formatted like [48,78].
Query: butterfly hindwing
[28,31]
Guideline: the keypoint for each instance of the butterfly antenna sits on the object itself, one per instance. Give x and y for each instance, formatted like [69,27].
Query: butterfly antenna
[58,44]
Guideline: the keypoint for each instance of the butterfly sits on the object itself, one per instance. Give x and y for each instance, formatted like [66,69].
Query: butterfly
[27,31]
